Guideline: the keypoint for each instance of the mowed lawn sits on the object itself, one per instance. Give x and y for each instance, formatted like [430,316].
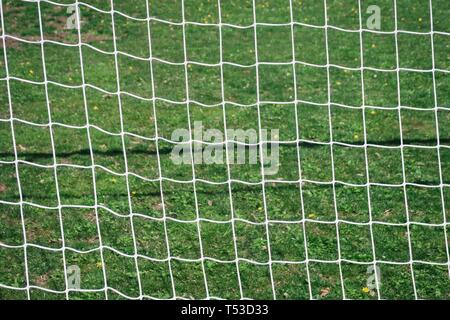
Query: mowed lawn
[359,180]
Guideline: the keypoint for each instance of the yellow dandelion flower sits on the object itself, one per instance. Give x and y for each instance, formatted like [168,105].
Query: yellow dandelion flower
[365,290]
[312,216]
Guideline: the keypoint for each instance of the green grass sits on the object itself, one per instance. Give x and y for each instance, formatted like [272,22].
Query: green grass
[284,201]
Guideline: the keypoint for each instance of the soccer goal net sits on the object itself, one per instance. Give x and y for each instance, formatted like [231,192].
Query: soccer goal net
[225,149]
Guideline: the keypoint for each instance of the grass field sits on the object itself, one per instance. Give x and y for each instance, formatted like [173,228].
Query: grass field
[114,222]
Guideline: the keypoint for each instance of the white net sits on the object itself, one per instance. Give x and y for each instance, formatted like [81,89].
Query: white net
[316,232]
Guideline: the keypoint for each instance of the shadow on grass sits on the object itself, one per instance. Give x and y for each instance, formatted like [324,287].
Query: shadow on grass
[30,156]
